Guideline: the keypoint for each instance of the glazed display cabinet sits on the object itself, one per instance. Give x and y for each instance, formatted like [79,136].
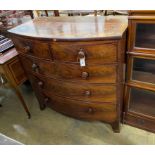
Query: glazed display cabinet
[139,97]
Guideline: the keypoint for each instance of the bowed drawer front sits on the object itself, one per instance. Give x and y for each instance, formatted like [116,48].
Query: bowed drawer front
[88,92]
[89,74]
[35,48]
[81,109]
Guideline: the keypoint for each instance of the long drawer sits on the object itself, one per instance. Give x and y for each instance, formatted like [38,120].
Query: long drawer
[79,109]
[87,92]
[94,52]
[33,47]
[69,71]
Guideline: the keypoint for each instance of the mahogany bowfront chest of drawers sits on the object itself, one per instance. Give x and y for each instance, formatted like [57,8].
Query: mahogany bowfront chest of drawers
[75,64]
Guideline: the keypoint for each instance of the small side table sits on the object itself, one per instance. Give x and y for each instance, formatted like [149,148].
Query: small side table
[12,74]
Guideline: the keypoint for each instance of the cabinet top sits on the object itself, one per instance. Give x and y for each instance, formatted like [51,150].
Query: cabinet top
[8,56]
[141,12]
[73,28]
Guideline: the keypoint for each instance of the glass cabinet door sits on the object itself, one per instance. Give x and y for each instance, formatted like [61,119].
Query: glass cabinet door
[143,70]
[145,35]
[142,101]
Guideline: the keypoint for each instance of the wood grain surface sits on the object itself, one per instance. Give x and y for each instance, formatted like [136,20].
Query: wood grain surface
[73,28]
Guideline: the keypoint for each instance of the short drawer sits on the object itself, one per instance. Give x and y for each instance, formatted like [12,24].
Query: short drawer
[37,66]
[88,92]
[81,109]
[32,47]
[94,52]
[72,72]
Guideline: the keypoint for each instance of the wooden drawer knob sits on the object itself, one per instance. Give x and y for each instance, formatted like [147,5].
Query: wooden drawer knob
[85,75]
[27,49]
[35,67]
[87,93]
[81,54]
[90,110]
[40,84]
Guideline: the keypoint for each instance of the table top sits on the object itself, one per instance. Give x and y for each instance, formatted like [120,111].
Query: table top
[5,57]
[74,28]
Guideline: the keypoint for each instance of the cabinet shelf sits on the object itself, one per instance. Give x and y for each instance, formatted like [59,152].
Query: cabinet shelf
[145,35]
[143,70]
[142,101]
[143,76]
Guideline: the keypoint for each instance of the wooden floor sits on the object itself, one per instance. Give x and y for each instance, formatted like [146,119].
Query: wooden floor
[50,127]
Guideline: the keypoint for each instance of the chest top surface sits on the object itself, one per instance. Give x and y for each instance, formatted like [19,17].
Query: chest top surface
[8,56]
[73,28]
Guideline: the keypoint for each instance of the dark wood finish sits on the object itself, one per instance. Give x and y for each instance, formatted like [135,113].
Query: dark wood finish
[12,74]
[56,12]
[140,122]
[141,13]
[87,92]
[73,72]
[140,84]
[81,109]
[94,52]
[46,12]
[52,59]
[32,47]
[17,71]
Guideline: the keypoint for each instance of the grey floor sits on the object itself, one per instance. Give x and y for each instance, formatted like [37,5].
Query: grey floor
[4,140]
[50,127]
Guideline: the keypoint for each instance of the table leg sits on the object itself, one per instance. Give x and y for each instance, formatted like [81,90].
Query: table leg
[22,102]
